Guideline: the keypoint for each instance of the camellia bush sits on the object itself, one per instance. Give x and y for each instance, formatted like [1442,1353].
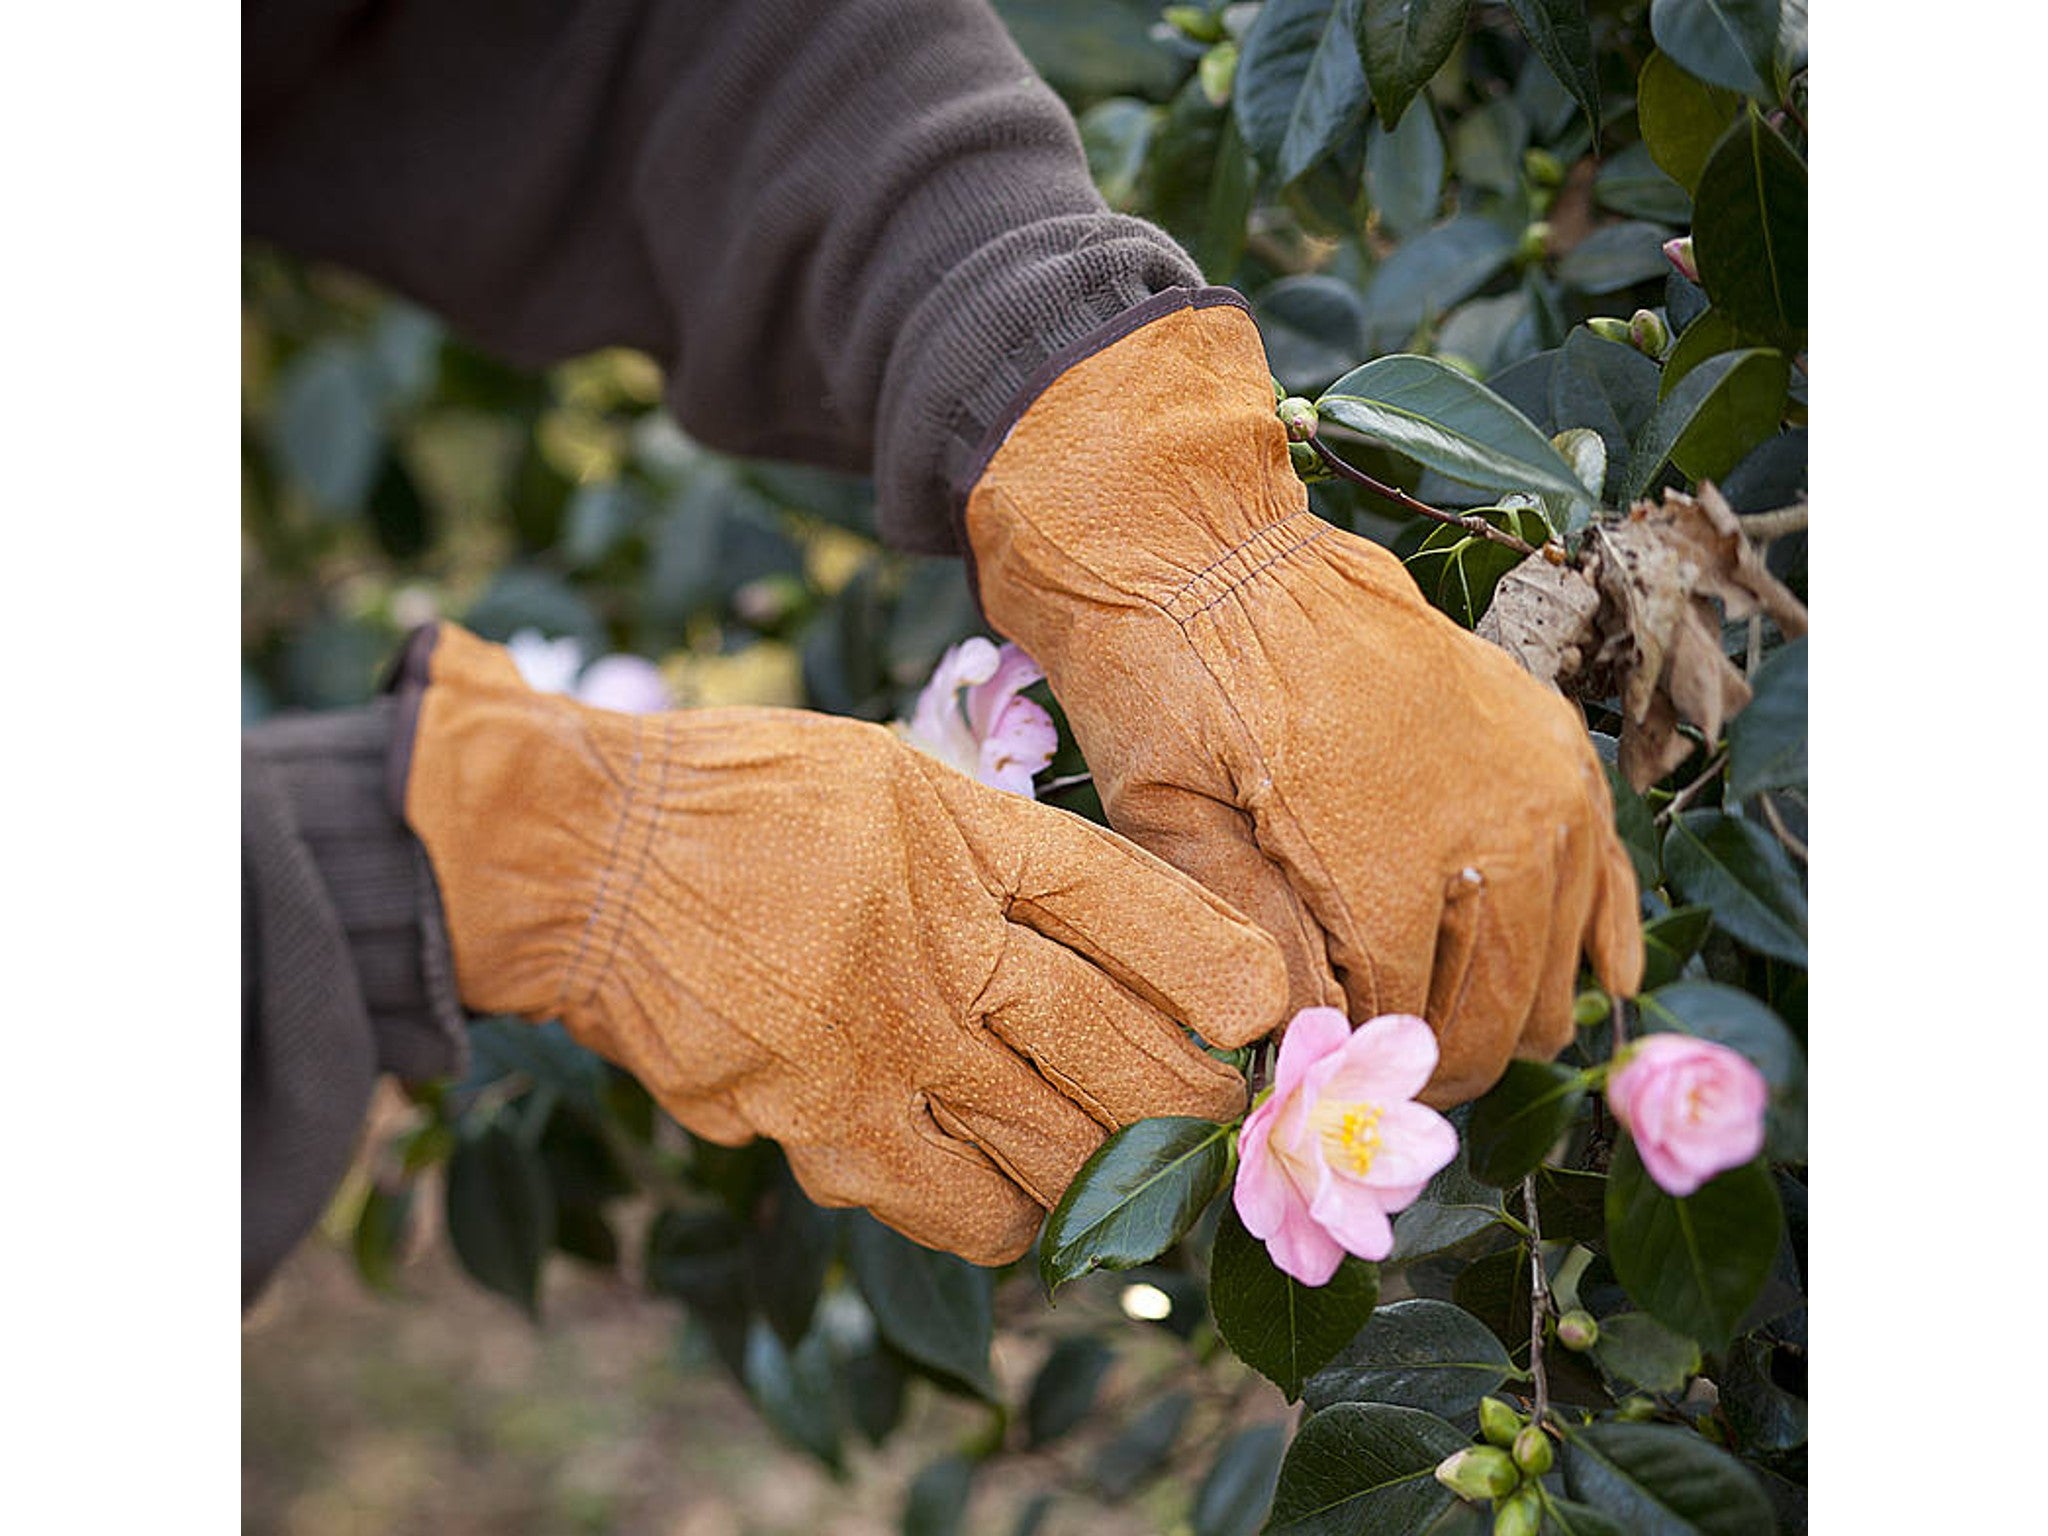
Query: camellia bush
[1532,280]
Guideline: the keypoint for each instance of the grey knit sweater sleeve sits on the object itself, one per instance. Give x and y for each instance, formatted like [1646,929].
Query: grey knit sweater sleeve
[849,231]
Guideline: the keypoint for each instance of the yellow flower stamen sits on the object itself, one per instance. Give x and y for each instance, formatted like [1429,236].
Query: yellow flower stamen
[1350,1135]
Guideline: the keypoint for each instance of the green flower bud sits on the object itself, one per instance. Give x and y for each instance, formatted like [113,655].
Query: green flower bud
[1521,1515]
[1646,328]
[1194,21]
[1533,1452]
[1279,391]
[1498,1422]
[1216,72]
[1308,465]
[1479,1472]
[1578,1329]
[1542,168]
[1635,1410]
[1535,243]
[1299,415]
[1591,1007]
[1607,328]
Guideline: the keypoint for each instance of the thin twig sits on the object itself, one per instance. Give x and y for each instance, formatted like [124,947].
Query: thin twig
[1470,522]
[1775,524]
[1690,793]
[1617,1013]
[1792,844]
[1071,781]
[1539,1300]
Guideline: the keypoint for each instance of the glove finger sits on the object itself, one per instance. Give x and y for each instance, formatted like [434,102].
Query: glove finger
[1214,844]
[1581,873]
[1116,1057]
[1478,1017]
[1614,933]
[1153,929]
[931,1186]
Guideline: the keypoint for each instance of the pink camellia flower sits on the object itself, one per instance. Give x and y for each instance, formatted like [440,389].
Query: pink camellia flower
[1340,1146]
[998,738]
[1693,1107]
[629,684]
[1679,253]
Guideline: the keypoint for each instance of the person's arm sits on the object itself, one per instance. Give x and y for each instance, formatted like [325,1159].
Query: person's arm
[850,233]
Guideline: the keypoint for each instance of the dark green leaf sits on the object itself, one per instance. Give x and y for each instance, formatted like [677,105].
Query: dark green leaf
[1487,146]
[1764,1415]
[327,426]
[1558,31]
[788,1257]
[1520,1118]
[1641,1352]
[1729,43]
[1671,940]
[1458,571]
[1134,1197]
[1284,1330]
[1614,257]
[1428,274]
[1358,1467]
[1767,741]
[1568,1517]
[1180,162]
[938,1309]
[1404,43]
[1238,1489]
[1220,245]
[1088,49]
[1299,87]
[1574,1204]
[405,352]
[1114,136]
[1453,1207]
[1749,237]
[1121,1466]
[1419,1353]
[1064,1389]
[1631,182]
[937,1501]
[402,520]
[381,1228]
[1681,118]
[601,513]
[1313,327]
[700,1257]
[794,1391]
[1449,422]
[1605,386]
[501,1217]
[525,597]
[1696,1263]
[1715,415]
[1636,826]
[1709,335]
[1404,173]
[1660,1480]
[1745,875]
[875,1381]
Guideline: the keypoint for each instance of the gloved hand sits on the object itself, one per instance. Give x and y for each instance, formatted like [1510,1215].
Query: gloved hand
[1268,703]
[935,995]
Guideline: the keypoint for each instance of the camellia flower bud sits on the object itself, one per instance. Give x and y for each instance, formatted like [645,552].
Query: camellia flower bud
[1479,1472]
[1607,328]
[1533,1452]
[1542,167]
[1498,1422]
[1646,328]
[1521,1515]
[1591,1007]
[1535,243]
[1635,1410]
[1299,416]
[1679,253]
[1578,1329]
[1308,465]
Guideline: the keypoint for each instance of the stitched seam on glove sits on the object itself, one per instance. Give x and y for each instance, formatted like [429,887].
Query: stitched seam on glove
[1221,577]
[602,912]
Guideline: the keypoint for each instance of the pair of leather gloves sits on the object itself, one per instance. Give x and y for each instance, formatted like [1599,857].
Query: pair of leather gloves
[940,997]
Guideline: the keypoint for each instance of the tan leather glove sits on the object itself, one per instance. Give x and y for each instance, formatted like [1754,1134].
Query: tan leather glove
[937,996]
[1268,703]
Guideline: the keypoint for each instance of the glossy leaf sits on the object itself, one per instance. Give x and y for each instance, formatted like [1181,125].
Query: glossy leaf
[1124,1464]
[1419,1353]
[1404,172]
[1449,422]
[1710,334]
[1660,1480]
[1521,1118]
[1682,117]
[1363,1467]
[700,1257]
[1767,741]
[1558,31]
[1313,327]
[1487,145]
[1568,1517]
[1238,1488]
[1114,136]
[1134,1197]
[1614,257]
[1429,274]
[1641,1352]
[1284,1330]
[1729,43]
[788,1258]
[1694,1263]
[1606,387]
[1404,43]
[1631,182]
[1636,825]
[1300,87]
[1716,414]
[937,1502]
[1671,940]
[1744,874]
[501,1217]
[327,428]
[1750,231]
[937,1309]
[793,1388]
[1453,1207]
[1458,570]
[1064,1389]
[380,1233]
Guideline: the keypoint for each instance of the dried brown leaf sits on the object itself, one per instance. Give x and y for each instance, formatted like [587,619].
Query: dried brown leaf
[1542,615]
